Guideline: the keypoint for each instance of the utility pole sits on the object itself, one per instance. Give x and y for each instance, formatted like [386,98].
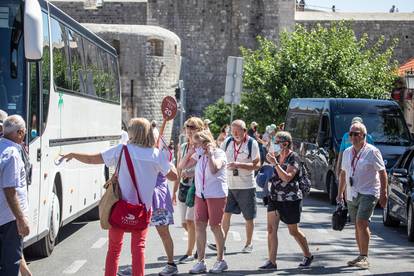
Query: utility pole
[182,102]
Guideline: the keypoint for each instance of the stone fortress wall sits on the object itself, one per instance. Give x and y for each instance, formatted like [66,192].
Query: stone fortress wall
[390,25]
[211,30]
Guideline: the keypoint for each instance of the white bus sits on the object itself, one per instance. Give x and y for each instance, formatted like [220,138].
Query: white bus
[64,80]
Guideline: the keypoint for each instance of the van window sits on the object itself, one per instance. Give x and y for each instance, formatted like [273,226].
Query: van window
[386,126]
[304,127]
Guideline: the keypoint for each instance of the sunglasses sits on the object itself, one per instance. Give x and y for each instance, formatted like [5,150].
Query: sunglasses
[191,127]
[354,133]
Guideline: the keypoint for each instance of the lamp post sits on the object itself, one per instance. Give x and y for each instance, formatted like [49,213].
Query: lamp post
[409,79]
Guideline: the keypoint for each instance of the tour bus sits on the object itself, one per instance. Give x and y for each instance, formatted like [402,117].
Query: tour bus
[317,127]
[64,81]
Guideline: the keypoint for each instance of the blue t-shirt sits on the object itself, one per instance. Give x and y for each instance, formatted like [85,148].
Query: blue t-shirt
[346,142]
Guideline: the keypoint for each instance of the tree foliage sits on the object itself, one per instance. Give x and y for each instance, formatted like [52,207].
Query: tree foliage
[320,62]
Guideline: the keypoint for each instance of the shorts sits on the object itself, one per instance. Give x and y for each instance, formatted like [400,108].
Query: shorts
[161,217]
[242,201]
[361,207]
[209,210]
[187,213]
[289,211]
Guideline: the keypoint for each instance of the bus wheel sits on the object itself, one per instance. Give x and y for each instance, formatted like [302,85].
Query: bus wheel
[332,189]
[45,246]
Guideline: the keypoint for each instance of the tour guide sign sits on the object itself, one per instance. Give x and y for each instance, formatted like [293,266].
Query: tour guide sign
[169,111]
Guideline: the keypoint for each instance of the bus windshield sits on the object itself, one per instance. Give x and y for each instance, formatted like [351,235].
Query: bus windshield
[386,126]
[12,96]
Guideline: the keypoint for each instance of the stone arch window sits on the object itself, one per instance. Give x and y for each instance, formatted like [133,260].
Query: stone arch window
[155,47]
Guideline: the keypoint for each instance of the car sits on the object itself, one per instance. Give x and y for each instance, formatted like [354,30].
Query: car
[317,126]
[400,204]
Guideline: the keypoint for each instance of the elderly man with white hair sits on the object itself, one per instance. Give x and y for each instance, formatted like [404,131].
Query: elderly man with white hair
[13,195]
[364,176]
[3,116]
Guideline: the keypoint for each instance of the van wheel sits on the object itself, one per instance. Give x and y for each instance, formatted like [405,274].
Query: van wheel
[410,222]
[45,246]
[387,219]
[333,190]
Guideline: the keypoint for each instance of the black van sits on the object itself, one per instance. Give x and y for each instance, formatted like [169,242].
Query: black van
[317,127]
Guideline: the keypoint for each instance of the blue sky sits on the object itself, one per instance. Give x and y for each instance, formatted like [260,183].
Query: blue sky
[362,5]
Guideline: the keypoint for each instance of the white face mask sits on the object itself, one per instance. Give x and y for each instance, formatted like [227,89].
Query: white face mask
[276,148]
[199,151]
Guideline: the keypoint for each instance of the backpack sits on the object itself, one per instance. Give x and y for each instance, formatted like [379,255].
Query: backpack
[304,177]
[249,145]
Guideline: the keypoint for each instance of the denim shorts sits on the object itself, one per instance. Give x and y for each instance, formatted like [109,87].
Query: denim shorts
[362,207]
[161,217]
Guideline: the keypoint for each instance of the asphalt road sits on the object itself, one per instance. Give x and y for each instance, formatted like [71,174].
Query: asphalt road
[82,247]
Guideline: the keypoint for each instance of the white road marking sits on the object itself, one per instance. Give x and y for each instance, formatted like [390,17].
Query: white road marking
[236,235]
[320,229]
[364,272]
[99,243]
[74,267]
[260,235]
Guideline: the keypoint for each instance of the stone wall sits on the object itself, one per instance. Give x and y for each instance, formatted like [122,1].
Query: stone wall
[111,12]
[212,30]
[390,25]
[145,78]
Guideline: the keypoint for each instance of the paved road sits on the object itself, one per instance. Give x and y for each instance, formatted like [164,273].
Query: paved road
[82,248]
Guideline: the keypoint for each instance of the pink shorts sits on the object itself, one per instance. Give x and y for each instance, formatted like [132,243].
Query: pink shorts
[209,210]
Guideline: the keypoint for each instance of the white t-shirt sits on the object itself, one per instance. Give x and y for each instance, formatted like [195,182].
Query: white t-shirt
[147,162]
[214,185]
[12,175]
[366,177]
[245,179]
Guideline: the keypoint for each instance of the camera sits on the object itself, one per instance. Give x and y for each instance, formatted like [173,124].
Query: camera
[235,172]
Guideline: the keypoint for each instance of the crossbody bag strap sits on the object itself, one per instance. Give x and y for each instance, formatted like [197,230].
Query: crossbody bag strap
[132,172]
[118,165]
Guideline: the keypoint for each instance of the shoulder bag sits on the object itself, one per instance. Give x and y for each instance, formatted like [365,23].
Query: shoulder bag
[127,216]
[110,197]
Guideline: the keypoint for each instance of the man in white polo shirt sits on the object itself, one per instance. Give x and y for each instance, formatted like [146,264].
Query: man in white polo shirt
[364,176]
[243,158]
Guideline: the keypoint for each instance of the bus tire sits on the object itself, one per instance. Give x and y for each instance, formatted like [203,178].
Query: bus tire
[332,189]
[45,246]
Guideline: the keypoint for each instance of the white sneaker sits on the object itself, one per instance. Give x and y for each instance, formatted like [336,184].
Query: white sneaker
[247,249]
[168,270]
[199,267]
[125,272]
[219,267]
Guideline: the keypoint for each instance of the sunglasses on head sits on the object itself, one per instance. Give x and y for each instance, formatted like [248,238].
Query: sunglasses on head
[354,133]
[191,127]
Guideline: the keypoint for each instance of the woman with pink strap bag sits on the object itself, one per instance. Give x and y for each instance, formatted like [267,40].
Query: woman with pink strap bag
[147,163]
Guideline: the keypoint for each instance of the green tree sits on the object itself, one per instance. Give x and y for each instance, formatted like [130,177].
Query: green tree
[320,62]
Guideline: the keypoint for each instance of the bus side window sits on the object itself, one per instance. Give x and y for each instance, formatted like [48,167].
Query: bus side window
[45,70]
[76,60]
[61,65]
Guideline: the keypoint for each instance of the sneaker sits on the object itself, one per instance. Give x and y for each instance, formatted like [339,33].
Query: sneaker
[125,272]
[213,246]
[354,261]
[268,265]
[362,263]
[306,262]
[185,259]
[219,267]
[199,267]
[169,270]
[247,248]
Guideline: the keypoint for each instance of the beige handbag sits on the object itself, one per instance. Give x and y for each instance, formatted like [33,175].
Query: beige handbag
[110,197]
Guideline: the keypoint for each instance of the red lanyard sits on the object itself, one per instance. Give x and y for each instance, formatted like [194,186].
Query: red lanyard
[204,162]
[236,151]
[356,156]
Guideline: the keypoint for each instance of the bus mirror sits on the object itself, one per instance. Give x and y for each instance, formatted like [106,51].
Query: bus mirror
[33,30]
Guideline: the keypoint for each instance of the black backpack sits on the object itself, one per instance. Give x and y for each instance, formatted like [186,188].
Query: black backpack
[304,179]
[249,145]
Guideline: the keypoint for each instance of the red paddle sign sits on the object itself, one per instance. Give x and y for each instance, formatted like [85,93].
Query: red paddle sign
[168,108]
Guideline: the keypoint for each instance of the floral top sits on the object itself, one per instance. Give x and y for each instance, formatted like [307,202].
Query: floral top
[282,191]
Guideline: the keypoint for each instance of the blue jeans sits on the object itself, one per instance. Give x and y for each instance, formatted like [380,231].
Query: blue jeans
[263,178]
[11,246]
